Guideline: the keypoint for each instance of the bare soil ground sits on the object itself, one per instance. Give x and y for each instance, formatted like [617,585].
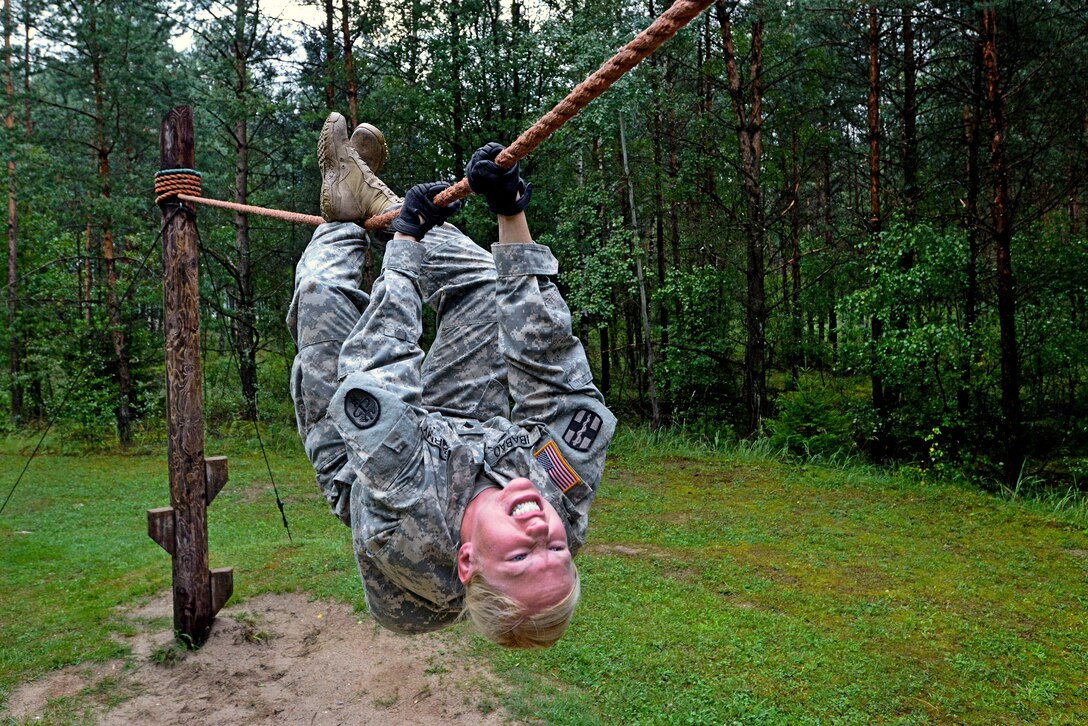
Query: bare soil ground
[275,659]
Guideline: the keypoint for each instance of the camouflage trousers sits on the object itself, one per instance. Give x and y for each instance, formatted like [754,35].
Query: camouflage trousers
[338,331]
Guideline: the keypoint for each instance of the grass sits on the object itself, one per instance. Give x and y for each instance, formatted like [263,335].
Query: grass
[74,546]
[720,585]
[169,654]
[725,586]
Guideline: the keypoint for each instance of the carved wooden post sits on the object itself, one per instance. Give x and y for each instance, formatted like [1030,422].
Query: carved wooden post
[182,528]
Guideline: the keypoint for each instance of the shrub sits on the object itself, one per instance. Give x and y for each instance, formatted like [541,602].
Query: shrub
[812,421]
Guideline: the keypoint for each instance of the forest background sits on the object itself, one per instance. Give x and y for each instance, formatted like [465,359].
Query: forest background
[857,230]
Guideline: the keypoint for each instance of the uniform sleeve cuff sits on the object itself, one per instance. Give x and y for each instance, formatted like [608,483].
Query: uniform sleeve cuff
[404,256]
[512,260]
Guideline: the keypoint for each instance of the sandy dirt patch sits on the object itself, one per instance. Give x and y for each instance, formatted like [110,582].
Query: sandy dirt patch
[276,659]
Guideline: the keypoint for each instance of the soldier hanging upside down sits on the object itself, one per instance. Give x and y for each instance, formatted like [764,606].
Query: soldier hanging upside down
[457,503]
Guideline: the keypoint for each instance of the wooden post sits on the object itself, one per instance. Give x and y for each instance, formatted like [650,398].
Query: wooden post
[182,529]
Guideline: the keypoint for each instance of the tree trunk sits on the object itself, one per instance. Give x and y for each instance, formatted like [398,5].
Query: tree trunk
[1002,232]
[833,334]
[88,273]
[15,348]
[457,111]
[750,138]
[113,304]
[893,394]
[644,315]
[330,54]
[659,202]
[880,404]
[500,48]
[910,121]
[674,180]
[415,12]
[606,361]
[245,334]
[794,263]
[709,171]
[27,121]
[629,349]
[243,316]
[829,239]
[515,47]
[349,65]
[972,121]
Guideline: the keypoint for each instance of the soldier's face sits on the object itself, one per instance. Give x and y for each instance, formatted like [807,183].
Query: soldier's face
[520,545]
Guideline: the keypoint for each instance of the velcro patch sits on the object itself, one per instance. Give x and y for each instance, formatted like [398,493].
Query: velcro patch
[361,408]
[558,469]
[583,429]
[520,438]
[435,439]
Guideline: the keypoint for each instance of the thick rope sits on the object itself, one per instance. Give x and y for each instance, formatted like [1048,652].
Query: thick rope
[641,46]
[172,182]
[296,217]
[667,25]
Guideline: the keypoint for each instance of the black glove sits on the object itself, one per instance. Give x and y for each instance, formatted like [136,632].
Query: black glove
[419,205]
[501,187]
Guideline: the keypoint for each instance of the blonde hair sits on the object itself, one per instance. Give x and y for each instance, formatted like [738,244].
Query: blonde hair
[503,620]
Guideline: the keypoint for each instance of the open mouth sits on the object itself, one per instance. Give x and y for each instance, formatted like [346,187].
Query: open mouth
[526,506]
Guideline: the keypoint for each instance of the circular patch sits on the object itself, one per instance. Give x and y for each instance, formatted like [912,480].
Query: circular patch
[362,408]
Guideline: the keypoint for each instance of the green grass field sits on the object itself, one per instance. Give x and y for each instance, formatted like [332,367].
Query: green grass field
[719,586]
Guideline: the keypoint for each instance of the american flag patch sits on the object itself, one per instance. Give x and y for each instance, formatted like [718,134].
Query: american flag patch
[558,469]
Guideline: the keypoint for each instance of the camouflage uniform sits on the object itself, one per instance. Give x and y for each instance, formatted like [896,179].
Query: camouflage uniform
[401,443]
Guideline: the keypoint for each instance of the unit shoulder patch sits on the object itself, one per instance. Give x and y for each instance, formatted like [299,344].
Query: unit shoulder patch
[362,408]
[583,429]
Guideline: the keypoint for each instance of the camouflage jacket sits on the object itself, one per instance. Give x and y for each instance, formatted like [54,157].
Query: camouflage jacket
[416,472]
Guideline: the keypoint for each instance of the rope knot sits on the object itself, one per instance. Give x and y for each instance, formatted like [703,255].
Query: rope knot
[171,182]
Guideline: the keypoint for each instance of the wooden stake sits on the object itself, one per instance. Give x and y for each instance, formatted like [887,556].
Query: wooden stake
[194,481]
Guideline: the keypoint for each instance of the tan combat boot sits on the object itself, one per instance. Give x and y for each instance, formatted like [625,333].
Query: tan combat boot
[369,144]
[350,191]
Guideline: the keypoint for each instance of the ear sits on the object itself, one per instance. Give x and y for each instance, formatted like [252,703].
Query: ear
[466,565]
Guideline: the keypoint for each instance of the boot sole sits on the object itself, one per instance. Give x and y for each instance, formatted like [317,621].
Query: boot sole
[370,145]
[326,161]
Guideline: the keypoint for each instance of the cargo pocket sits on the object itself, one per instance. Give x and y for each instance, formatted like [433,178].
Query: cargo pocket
[394,474]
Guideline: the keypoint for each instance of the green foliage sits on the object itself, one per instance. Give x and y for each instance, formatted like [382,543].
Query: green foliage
[594,249]
[945,375]
[917,275]
[815,421]
[441,80]
[1051,314]
[697,372]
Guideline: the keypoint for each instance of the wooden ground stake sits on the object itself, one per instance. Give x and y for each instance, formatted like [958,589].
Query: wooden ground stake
[182,528]
[160,527]
[215,474]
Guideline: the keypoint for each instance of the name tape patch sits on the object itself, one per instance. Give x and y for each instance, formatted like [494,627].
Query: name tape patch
[558,469]
[362,408]
[583,429]
[510,441]
[434,438]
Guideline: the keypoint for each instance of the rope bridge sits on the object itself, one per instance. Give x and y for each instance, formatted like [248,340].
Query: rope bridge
[184,184]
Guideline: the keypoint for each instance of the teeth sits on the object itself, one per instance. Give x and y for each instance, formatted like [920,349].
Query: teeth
[526,507]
